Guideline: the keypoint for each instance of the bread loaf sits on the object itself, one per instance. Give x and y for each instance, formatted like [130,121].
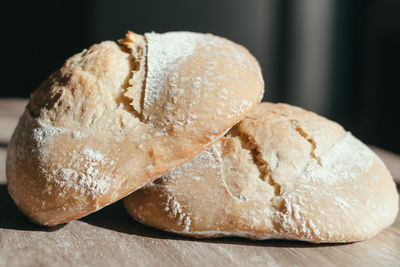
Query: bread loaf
[282,172]
[117,116]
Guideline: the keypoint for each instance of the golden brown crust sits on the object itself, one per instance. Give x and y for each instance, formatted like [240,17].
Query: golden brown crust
[282,172]
[116,117]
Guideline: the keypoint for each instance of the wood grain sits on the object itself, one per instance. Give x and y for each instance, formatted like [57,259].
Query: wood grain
[111,238]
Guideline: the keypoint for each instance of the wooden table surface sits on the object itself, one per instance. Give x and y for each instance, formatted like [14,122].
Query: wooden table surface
[110,237]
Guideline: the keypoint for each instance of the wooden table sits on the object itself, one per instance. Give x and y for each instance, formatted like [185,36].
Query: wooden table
[111,238]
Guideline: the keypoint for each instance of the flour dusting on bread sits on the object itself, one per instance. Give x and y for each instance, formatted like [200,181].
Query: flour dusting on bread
[164,54]
[345,160]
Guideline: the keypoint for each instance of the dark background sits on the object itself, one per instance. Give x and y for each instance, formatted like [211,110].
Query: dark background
[339,58]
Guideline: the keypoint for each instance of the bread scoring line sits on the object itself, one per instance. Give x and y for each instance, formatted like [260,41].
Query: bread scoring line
[247,142]
[295,124]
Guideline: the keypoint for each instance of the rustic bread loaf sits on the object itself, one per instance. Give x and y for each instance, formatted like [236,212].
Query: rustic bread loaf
[117,116]
[282,172]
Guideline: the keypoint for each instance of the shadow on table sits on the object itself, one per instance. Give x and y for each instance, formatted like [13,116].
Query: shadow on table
[12,218]
[114,217]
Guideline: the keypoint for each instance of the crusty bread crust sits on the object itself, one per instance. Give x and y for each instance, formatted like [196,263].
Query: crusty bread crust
[117,116]
[282,172]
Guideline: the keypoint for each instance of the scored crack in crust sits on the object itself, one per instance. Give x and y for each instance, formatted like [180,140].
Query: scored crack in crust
[282,172]
[117,116]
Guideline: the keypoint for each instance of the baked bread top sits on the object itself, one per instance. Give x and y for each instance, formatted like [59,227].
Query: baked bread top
[117,116]
[282,172]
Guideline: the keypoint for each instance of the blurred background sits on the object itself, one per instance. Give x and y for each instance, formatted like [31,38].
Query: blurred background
[338,58]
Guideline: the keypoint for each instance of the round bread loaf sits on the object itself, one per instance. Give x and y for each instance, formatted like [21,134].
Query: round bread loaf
[282,172]
[117,116]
